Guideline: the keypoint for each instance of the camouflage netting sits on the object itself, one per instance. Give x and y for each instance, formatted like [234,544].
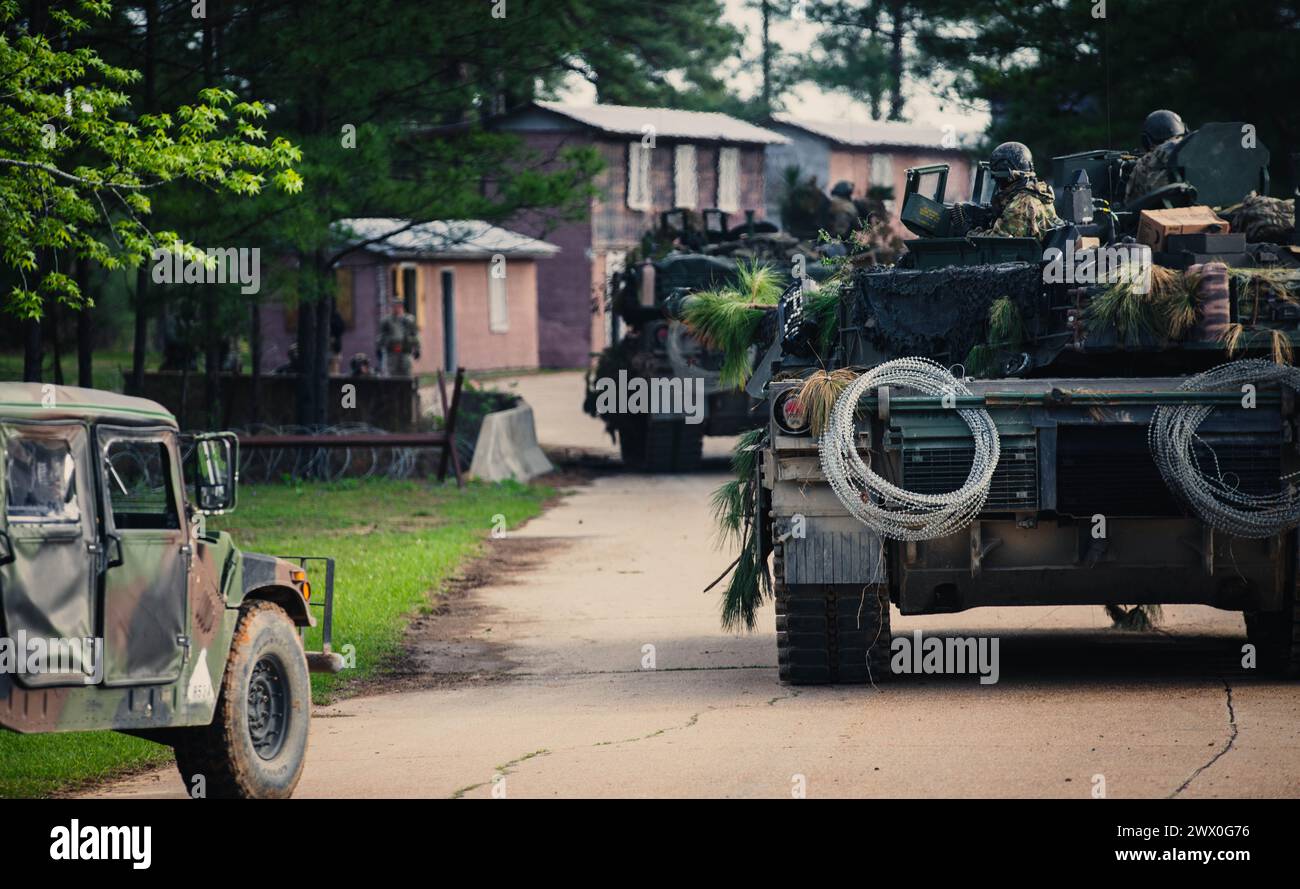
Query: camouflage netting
[770,246]
[939,313]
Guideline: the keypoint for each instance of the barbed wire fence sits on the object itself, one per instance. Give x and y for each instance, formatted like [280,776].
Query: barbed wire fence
[262,465]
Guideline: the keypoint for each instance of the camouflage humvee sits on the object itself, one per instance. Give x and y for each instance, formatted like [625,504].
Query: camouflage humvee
[119,610]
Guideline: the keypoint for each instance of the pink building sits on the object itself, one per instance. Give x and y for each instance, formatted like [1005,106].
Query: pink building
[656,159]
[471,286]
[866,154]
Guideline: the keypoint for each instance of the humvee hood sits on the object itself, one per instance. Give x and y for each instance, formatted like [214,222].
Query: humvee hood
[40,401]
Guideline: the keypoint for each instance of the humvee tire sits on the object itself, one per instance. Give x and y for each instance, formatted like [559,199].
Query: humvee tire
[651,445]
[255,746]
[827,637]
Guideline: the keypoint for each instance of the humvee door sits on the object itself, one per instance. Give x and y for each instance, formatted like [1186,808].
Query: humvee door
[148,553]
[48,542]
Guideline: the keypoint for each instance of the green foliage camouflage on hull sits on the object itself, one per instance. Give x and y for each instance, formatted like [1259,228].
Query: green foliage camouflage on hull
[735,506]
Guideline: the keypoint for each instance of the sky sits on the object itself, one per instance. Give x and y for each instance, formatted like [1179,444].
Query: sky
[923,105]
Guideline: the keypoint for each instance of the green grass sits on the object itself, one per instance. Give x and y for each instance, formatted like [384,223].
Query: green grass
[106,366]
[38,765]
[393,541]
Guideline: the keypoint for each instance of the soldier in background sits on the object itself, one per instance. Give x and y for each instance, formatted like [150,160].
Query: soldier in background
[399,341]
[361,365]
[843,215]
[1024,206]
[1162,132]
[293,365]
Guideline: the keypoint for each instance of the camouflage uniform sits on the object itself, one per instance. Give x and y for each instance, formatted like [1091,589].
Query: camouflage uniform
[1026,210]
[1263,219]
[1151,171]
[399,343]
[843,217]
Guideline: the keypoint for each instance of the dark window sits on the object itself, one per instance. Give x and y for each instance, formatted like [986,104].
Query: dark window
[41,481]
[411,290]
[140,485]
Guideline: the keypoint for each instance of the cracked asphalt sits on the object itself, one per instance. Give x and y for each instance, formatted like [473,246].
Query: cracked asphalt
[579,713]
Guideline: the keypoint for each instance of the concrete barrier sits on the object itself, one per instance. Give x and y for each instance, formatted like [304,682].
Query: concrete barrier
[507,447]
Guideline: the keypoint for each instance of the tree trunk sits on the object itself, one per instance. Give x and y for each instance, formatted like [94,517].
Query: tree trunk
[211,360]
[55,345]
[767,58]
[306,353]
[139,344]
[140,341]
[320,371]
[255,357]
[85,339]
[32,353]
[897,19]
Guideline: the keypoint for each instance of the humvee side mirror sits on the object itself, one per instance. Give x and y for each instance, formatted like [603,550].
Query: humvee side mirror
[216,472]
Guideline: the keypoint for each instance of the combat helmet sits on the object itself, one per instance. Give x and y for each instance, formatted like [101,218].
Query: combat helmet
[1010,160]
[1161,126]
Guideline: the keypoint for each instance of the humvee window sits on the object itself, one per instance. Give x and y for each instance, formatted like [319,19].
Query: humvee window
[139,485]
[41,485]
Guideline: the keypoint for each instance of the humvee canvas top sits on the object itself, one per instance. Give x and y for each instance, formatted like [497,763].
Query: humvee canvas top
[38,401]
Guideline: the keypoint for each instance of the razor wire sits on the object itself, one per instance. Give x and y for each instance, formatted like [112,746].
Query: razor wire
[1191,469]
[889,510]
[273,464]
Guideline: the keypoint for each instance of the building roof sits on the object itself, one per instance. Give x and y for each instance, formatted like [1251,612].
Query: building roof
[38,401]
[886,133]
[669,123]
[441,239]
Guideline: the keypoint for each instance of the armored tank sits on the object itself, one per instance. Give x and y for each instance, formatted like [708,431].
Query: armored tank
[683,379]
[1104,416]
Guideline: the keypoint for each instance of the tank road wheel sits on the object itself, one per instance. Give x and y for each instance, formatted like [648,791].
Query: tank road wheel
[825,636]
[255,746]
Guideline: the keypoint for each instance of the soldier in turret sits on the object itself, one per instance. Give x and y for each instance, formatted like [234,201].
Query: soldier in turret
[1024,206]
[1162,132]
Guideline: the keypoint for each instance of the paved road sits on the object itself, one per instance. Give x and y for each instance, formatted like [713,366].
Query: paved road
[620,564]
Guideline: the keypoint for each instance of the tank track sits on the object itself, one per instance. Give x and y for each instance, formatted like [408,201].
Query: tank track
[828,637]
[1276,634]
[1276,637]
[664,446]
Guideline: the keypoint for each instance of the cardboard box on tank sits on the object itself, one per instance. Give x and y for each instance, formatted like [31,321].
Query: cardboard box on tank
[1154,226]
